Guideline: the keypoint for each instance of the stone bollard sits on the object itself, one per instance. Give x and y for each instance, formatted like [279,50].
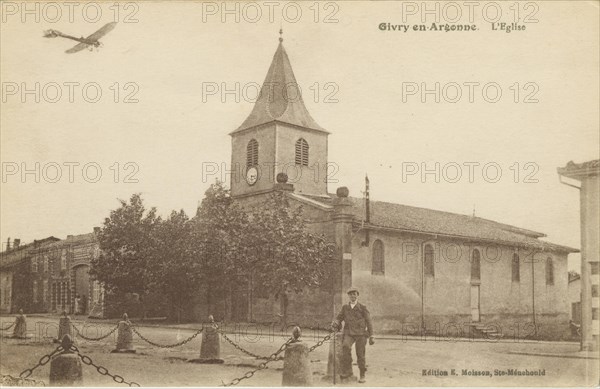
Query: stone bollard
[124,337]
[64,327]
[296,364]
[20,330]
[210,350]
[65,368]
[334,372]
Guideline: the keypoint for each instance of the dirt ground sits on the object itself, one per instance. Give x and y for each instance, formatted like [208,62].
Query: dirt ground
[392,361]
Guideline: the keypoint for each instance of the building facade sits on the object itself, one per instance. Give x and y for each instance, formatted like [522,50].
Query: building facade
[16,278]
[52,276]
[587,174]
[418,270]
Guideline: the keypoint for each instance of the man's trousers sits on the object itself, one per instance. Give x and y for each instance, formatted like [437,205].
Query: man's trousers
[361,342]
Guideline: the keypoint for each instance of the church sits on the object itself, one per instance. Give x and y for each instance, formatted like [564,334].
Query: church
[420,271]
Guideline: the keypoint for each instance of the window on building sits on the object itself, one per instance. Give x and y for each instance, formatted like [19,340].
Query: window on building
[378,266]
[63,260]
[428,256]
[302,152]
[45,291]
[46,261]
[34,265]
[475,265]
[35,292]
[516,268]
[53,296]
[252,153]
[549,271]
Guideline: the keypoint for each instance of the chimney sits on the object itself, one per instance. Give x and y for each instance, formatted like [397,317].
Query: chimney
[96,230]
[8,244]
[16,243]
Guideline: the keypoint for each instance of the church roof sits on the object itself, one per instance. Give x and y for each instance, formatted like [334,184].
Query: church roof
[433,222]
[279,99]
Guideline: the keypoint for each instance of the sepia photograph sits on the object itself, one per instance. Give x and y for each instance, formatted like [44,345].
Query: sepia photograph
[300,193]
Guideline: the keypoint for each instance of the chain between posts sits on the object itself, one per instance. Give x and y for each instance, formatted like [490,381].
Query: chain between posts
[43,360]
[263,365]
[7,328]
[8,380]
[101,369]
[94,339]
[165,345]
[244,350]
[320,342]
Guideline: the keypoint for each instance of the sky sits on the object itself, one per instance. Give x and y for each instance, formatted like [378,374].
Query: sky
[155,123]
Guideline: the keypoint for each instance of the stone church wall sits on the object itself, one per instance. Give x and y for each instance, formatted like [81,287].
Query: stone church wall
[394,299]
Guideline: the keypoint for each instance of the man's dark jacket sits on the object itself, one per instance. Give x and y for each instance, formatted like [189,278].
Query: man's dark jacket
[357,320]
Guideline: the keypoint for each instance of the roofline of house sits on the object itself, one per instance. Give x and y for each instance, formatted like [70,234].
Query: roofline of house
[580,170]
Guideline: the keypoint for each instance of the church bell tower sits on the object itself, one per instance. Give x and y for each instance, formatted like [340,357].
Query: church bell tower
[279,136]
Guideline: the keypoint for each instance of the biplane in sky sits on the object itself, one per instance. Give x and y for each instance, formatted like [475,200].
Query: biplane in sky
[91,42]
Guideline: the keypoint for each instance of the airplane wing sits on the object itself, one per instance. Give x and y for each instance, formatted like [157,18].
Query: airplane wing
[76,48]
[108,27]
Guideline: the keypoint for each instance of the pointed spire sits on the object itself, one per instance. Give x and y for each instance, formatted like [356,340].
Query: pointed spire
[280,97]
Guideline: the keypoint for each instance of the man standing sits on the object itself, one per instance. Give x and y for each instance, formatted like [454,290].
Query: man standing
[357,328]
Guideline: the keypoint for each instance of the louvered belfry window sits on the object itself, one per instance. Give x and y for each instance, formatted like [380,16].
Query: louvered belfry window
[252,153]
[302,152]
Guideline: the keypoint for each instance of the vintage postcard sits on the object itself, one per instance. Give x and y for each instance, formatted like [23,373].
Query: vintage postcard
[300,193]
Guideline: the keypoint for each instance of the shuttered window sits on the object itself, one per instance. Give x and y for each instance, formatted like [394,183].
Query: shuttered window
[302,152]
[252,153]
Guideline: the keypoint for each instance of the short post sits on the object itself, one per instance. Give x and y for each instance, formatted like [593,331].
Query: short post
[334,366]
[296,364]
[20,330]
[64,327]
[124,337]
[65,368]
[210,349]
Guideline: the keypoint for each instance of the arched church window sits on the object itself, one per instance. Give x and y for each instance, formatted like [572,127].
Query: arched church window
[428,256]
[378,266]
[252,153]
[475,265]
[516,270]
[549,271]
[302,152]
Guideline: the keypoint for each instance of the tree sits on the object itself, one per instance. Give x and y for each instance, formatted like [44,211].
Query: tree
[217,239]
[281,254]
[125,244]
[173,267]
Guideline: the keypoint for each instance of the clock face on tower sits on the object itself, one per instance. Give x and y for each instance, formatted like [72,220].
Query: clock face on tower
[252,175]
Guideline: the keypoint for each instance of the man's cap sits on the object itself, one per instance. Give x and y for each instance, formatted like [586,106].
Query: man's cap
[353,289]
